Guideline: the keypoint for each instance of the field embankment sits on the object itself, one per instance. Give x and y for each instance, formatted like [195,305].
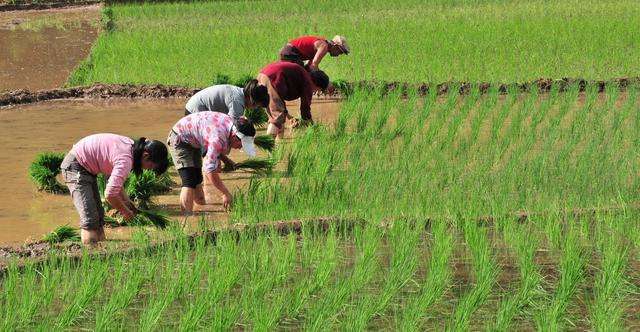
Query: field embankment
[343,89]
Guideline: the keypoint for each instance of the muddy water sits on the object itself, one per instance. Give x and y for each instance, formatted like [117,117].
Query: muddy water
[55,126]
[39,49]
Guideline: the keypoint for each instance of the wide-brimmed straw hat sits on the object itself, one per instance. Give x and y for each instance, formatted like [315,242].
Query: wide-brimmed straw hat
[342,43]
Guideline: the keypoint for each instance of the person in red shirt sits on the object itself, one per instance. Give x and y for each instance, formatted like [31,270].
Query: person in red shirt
[286,81]
[312,49]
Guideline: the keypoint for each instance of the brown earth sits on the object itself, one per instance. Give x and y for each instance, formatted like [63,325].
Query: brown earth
[24,96]
[40,49]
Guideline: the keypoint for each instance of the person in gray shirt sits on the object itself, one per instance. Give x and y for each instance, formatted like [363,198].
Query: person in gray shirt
[228,99]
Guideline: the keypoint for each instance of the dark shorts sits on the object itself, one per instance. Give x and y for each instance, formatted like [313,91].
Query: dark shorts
[291,54]
[187,160]
[83,187]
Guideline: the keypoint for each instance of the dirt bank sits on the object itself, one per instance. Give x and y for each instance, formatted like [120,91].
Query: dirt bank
[102,91]
[40,49]
[40,5]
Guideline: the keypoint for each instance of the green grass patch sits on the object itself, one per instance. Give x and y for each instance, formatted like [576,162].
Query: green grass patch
[202,43]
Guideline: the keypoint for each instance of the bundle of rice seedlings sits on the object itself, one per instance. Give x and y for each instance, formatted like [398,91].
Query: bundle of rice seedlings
[265,142]
[43,172]
[242,80]
[142,218]
[61,234]
[257,166]
[257,116]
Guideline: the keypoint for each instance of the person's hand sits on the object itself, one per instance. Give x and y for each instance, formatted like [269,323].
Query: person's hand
[312,67]
[294,122]
[227,201]
[229,166]
[330,90]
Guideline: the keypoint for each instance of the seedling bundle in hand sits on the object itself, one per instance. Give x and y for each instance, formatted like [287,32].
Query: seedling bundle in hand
[142,218]
[43,172]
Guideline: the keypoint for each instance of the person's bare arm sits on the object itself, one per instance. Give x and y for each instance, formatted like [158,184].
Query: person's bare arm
[275,102]
[119,204]
[214,178]
[127,201]
[322,47]
[229,165]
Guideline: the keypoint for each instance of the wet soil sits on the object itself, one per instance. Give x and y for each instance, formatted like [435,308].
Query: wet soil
[39,49]
[26,215]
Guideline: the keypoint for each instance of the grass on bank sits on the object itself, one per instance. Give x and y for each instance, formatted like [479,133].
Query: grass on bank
[200,43]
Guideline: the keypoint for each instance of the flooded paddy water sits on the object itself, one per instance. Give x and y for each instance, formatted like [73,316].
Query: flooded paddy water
[56,125]
[39,49]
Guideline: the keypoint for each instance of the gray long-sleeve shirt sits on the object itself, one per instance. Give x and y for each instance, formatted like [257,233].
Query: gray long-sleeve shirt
[224,98]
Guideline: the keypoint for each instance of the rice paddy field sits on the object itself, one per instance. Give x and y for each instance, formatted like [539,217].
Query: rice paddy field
[483,211]
[190,43]
[452,212]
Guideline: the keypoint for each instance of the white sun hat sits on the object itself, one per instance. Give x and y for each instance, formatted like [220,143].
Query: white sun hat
[247,142]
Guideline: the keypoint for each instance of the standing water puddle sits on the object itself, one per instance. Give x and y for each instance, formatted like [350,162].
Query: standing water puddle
[39,49]
[56,126]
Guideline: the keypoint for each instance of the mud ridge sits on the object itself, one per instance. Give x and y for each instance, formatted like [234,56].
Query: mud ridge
[28,5]
[41,251]
[344,89]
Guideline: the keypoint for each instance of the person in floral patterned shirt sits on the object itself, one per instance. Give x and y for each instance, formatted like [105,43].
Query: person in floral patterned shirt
[209,136]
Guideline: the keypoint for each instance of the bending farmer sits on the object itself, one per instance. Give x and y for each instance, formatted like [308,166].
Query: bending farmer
[312,49]
[228,99]
[215,133]
[289,81]
[114,156]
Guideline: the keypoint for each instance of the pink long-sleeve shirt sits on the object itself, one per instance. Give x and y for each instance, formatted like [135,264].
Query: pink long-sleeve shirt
[107,154]
[209,131]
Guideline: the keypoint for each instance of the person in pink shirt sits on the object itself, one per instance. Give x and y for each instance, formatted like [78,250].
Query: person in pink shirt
[114,156]
[208,135]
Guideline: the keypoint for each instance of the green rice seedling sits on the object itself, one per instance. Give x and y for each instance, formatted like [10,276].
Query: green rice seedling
[257,116]
[155,218]
[485,271]
[403,239]
[335,297]
[140,188]
[220,79]
[437,280]
[258,166]
[222,276]
[10,296]
[267,273]
[520,238]
[491,37]
[321,254]
[611,289]
[265,142]
[128,280]
[572,264]
[43,172]
[61,234]
[90,287]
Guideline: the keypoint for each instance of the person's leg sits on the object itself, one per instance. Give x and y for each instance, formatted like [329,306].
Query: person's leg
[98,201]
[81,187]
[191,191]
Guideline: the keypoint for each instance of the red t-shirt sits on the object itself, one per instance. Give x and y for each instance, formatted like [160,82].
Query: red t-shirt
[291,81]
[304,44]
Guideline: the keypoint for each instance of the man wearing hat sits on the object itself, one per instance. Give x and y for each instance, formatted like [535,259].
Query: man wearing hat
[216,134]
[312,49]
[286,81]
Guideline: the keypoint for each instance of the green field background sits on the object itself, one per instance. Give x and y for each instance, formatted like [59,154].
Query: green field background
[414,41]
